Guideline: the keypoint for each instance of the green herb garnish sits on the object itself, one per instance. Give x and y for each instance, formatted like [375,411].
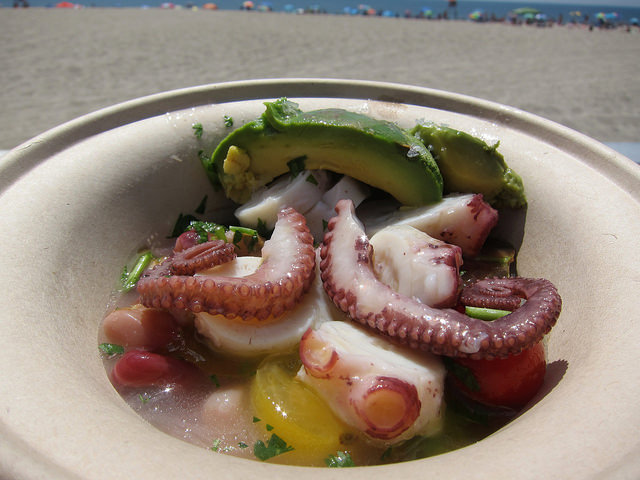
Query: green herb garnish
[197,129]
[182,224]
[262,229]
[275,446]
[111,348]
[216,444]
[242,445]
[462,373]
[487,314]
[296,166]
[143,399]
[312,179]
[339,460]
[129,279]
[269,427]
[228,121]
[256,420]
[325,225]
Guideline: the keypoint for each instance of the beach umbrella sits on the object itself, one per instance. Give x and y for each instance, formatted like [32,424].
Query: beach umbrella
[526,11]
[476,15]
[65,5]
[248,5]
[209,6]
[426,12]
[634,21]
[388,13]
[289,8]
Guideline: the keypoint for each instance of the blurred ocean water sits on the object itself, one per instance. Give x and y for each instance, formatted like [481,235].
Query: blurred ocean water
[477,9]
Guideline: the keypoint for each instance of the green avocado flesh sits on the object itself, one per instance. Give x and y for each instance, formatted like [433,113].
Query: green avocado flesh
[469,165]
[375,152]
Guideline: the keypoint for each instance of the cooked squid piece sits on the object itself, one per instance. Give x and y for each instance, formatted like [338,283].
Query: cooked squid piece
[417,265]
[461,219]
[386,392]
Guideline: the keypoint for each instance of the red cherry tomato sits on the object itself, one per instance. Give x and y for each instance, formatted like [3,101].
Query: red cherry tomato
[507,382]
[141,369]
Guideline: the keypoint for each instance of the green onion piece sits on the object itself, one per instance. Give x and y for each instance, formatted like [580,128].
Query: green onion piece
[487,314]
[228,121]
[132,278]
[197,129]
[220,232]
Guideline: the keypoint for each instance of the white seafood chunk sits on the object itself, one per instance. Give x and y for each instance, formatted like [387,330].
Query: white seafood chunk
[236,337]
[301,192]
[347,187]
[388,393]
[417,265]
[462,219]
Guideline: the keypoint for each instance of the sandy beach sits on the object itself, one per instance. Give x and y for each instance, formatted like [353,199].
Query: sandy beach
[59,64]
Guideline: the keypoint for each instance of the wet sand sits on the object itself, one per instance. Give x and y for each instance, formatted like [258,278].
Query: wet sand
[59,64]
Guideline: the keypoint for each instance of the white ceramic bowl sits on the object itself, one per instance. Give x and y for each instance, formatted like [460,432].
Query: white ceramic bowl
[78,200]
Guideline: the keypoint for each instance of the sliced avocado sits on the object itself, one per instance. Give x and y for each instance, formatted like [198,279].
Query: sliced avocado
[469,165]
[285,139]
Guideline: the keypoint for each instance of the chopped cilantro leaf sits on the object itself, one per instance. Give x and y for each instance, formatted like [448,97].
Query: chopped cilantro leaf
[262,229]
[339,460]
[275,446]
[111,348]
[312,179]
[181,224]
[242,445]
[197,129]
[296,165]
[228,121]
[269,427]
[256,420]
[216,444]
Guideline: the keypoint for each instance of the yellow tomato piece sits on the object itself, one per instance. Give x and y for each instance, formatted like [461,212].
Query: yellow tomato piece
[298,416]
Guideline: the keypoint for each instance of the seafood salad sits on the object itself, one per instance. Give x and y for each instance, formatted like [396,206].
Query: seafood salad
[357,310]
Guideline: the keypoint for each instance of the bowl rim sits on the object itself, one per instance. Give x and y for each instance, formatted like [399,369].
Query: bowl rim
[30,153]
[620,170]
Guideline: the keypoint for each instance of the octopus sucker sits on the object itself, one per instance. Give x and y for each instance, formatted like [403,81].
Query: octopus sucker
[285,274]
[347,266]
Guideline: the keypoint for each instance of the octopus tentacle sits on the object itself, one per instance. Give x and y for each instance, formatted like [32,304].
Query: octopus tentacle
[348,278]
[285,274]
[493,293]
[201,256]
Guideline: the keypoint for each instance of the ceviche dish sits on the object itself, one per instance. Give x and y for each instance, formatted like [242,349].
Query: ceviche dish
[358,309]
